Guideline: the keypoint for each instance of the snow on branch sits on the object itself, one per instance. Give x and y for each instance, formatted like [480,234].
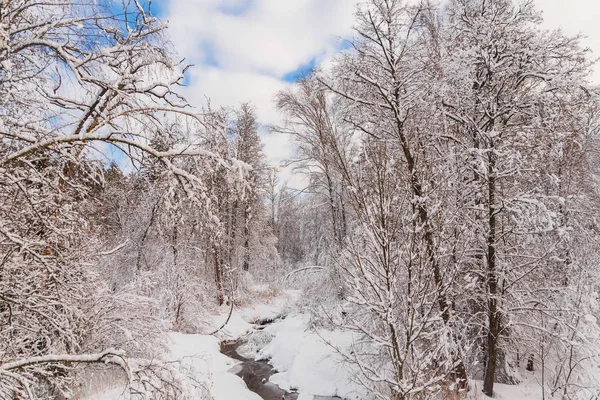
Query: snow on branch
[110,356]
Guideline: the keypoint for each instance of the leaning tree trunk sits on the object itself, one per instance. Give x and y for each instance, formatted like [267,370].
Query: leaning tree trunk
[334,223]
[459,372]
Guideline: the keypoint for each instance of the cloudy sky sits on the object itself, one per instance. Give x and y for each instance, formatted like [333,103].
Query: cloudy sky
[247,50]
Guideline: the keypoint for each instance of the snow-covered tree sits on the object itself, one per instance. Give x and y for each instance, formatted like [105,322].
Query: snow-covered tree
[507,84]
[388,86]
[462,136]
[76,81]
[310,122]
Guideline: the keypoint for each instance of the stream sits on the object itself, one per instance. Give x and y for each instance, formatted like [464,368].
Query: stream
[256,374]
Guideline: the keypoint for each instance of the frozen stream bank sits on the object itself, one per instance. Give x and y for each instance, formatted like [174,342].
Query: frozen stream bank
[256,373]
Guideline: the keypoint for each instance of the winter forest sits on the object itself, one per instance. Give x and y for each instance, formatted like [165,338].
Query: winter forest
[444,242]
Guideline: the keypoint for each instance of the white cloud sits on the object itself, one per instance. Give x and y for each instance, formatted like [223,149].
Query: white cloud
[271,37]
[241,49]
[231,88]
[243,56]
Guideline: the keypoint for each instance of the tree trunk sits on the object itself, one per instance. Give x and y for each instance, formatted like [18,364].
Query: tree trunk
[176,273]
[344,227]
[233,234]
[492,283]
[174,246]
[140,254]
[219,277]
[334,222]
[459,371]
[246,265]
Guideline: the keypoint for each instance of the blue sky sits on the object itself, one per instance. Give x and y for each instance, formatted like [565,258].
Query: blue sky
[248,50]
[300,72]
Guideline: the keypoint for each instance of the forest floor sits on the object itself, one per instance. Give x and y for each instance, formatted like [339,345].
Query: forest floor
[269,350]
[278,355]
[273,347]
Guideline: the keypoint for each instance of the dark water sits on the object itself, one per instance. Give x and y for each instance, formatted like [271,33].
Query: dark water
[256,374]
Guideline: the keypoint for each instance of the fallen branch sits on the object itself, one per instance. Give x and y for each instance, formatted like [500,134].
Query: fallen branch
[303,269]
[230,312]
[119,247]
[226,321]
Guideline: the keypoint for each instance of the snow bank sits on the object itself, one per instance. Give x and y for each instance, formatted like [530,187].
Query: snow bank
[273,309]
[307,360]
[528,390]
[236,327]
[201,359]
[242,319]
[229,387]
[202,354]
[109,394]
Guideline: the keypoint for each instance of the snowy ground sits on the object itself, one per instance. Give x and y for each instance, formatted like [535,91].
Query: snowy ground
[200,356]
[307,361]
[305,358]
[528,390]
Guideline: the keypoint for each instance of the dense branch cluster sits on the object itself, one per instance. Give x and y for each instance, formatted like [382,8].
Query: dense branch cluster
[455,148]
[82,246]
